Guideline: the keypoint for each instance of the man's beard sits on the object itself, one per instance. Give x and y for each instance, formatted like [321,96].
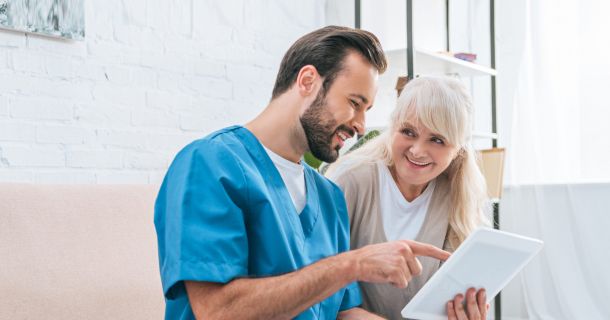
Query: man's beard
[320,128]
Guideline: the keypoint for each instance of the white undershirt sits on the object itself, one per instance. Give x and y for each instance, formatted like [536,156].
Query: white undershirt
[293,175]
[401,219]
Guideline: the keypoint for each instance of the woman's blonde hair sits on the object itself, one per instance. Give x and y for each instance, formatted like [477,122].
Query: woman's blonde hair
[443,105]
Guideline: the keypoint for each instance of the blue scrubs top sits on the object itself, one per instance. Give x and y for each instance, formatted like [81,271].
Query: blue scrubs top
[224,212]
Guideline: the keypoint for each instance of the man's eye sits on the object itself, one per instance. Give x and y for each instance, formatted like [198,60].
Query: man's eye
[355,104]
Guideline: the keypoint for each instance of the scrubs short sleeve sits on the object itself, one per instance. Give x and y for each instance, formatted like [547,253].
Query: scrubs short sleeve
[200,226]
[351,298]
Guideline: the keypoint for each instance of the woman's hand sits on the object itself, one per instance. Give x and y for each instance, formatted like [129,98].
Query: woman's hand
[476,308]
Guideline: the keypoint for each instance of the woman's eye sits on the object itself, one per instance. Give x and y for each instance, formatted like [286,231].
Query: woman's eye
[438,141]
[408,132]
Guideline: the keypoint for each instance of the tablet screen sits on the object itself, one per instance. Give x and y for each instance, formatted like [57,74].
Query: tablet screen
[486,259]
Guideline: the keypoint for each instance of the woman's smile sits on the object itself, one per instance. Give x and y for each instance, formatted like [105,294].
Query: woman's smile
[418,164]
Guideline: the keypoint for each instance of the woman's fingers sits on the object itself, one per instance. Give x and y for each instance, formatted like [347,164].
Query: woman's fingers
[474,308]
[482,302]
[471,305]
[451,311]
[458,304]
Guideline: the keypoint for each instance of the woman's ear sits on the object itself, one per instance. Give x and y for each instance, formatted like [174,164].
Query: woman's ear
[456,162]
[461,153]
[307,80]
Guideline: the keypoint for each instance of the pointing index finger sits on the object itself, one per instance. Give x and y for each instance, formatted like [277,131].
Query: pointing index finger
[428,250]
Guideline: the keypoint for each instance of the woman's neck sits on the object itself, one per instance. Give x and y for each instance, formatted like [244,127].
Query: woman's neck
[409,191]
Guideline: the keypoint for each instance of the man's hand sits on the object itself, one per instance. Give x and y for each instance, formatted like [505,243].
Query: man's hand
[287,295]
[392,262]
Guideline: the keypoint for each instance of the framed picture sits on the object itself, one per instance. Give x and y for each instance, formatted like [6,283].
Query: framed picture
[55,18]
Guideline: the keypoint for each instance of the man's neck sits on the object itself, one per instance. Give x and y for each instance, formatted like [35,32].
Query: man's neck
[279,129]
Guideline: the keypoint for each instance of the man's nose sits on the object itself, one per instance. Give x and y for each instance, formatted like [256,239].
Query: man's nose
[359,123]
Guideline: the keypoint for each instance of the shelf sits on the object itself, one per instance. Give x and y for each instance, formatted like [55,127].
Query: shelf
[432,63]
[484,135]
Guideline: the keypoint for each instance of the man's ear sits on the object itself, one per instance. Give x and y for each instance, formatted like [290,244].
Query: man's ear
[308,80]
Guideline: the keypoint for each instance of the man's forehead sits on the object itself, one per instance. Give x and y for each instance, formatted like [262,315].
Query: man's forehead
[358,67]
[360,84]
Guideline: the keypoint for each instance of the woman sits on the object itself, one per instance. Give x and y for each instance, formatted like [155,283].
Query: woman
[419,180]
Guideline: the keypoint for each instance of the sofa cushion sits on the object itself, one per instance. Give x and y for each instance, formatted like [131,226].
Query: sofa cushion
[78,252]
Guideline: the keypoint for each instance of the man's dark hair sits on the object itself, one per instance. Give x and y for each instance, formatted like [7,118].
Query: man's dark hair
[326,49]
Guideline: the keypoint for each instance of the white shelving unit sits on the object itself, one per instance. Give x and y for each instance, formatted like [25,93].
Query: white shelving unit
[433,63]
[484,135]
[413,62]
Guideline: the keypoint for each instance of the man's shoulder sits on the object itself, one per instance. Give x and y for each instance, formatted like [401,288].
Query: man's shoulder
[224,138]
[220,149]
[222,141]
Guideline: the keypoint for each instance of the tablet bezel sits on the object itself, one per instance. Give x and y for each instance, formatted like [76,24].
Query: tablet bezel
[467,249]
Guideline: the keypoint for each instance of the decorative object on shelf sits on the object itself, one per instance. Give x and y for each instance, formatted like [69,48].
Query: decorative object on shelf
[470,57]
[492,166]
[401,82]
[55,18]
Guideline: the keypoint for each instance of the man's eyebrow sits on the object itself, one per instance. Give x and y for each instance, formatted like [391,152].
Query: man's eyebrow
[361,97]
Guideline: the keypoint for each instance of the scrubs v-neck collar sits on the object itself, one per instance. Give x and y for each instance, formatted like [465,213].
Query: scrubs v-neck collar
[305,221]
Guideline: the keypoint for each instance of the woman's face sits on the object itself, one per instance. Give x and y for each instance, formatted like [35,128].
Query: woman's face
[420,155]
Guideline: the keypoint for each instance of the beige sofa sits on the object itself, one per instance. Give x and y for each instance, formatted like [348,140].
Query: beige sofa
[78,252]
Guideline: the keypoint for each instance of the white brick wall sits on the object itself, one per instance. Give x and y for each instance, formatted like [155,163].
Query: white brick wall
[151,76]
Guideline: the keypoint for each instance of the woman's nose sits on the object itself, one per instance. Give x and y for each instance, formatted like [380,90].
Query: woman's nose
[418,149]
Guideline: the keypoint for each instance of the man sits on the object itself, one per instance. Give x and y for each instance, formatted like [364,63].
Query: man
[247,231]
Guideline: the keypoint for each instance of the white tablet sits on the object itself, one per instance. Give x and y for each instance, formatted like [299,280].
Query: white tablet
[486,259]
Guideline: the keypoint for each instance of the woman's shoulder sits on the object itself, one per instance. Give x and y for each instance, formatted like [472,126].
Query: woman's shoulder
[442,184]
[362,173]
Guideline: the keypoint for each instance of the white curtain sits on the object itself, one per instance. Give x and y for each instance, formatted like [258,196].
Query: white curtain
[569,279]
[559,108]
[558,137]
[545,132]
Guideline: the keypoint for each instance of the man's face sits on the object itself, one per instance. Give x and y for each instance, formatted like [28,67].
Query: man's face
[339,113]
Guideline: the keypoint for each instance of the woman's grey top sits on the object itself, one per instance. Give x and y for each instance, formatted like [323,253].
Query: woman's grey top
[361,188]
